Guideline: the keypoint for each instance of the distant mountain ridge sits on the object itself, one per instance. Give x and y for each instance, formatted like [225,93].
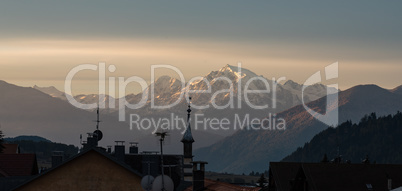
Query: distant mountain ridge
[249,150]
[26,138]
[397,90]
[52,91]
[46,114]
[167,90]
[85,99]
[25,110]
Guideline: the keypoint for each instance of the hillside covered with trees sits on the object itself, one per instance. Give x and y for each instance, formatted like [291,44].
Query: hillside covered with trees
[379,138]
[42,147]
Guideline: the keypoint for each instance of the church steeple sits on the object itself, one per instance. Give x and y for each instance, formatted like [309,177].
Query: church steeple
[188,137]
[188,141]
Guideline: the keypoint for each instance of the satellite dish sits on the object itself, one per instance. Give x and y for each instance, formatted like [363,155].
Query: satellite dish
[98,134]
[146,182]
[157,184]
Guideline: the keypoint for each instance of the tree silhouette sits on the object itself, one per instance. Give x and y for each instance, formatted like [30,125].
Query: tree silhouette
[325,158]
[261,181]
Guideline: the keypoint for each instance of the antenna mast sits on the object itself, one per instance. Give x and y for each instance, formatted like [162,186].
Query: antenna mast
[162,135]
[97,119]
[97,132]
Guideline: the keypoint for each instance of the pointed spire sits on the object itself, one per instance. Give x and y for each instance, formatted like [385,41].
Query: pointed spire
[188,137]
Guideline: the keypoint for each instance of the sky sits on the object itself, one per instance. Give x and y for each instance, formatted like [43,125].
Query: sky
[41,41]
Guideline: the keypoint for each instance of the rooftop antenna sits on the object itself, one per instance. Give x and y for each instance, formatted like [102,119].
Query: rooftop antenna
[162,136]
[97,132]
[147,180]
[97,119]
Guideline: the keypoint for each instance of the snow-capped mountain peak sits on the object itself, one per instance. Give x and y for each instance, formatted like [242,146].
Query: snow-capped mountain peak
[239,73]
[167,90]
[166,85]
[167,82]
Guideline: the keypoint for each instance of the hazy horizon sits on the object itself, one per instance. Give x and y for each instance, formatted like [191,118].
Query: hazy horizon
[93,84]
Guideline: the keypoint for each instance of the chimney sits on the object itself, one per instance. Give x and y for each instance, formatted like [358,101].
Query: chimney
[57,158]
[198,175]
[133,148]
[119,150]
[109,149]
[92,141]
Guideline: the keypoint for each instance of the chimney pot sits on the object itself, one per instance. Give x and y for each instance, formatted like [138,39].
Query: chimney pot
[198,175]
[119,150]
[133,148]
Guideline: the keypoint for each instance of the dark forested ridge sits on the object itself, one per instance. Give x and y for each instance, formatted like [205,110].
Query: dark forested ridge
[377,137]
[26,138]
[43,149]
[29,146]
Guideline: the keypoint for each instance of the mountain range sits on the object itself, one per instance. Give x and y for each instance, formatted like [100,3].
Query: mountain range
[44,112]
[249,150]
[28,111]
[167,90]
[212,90]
